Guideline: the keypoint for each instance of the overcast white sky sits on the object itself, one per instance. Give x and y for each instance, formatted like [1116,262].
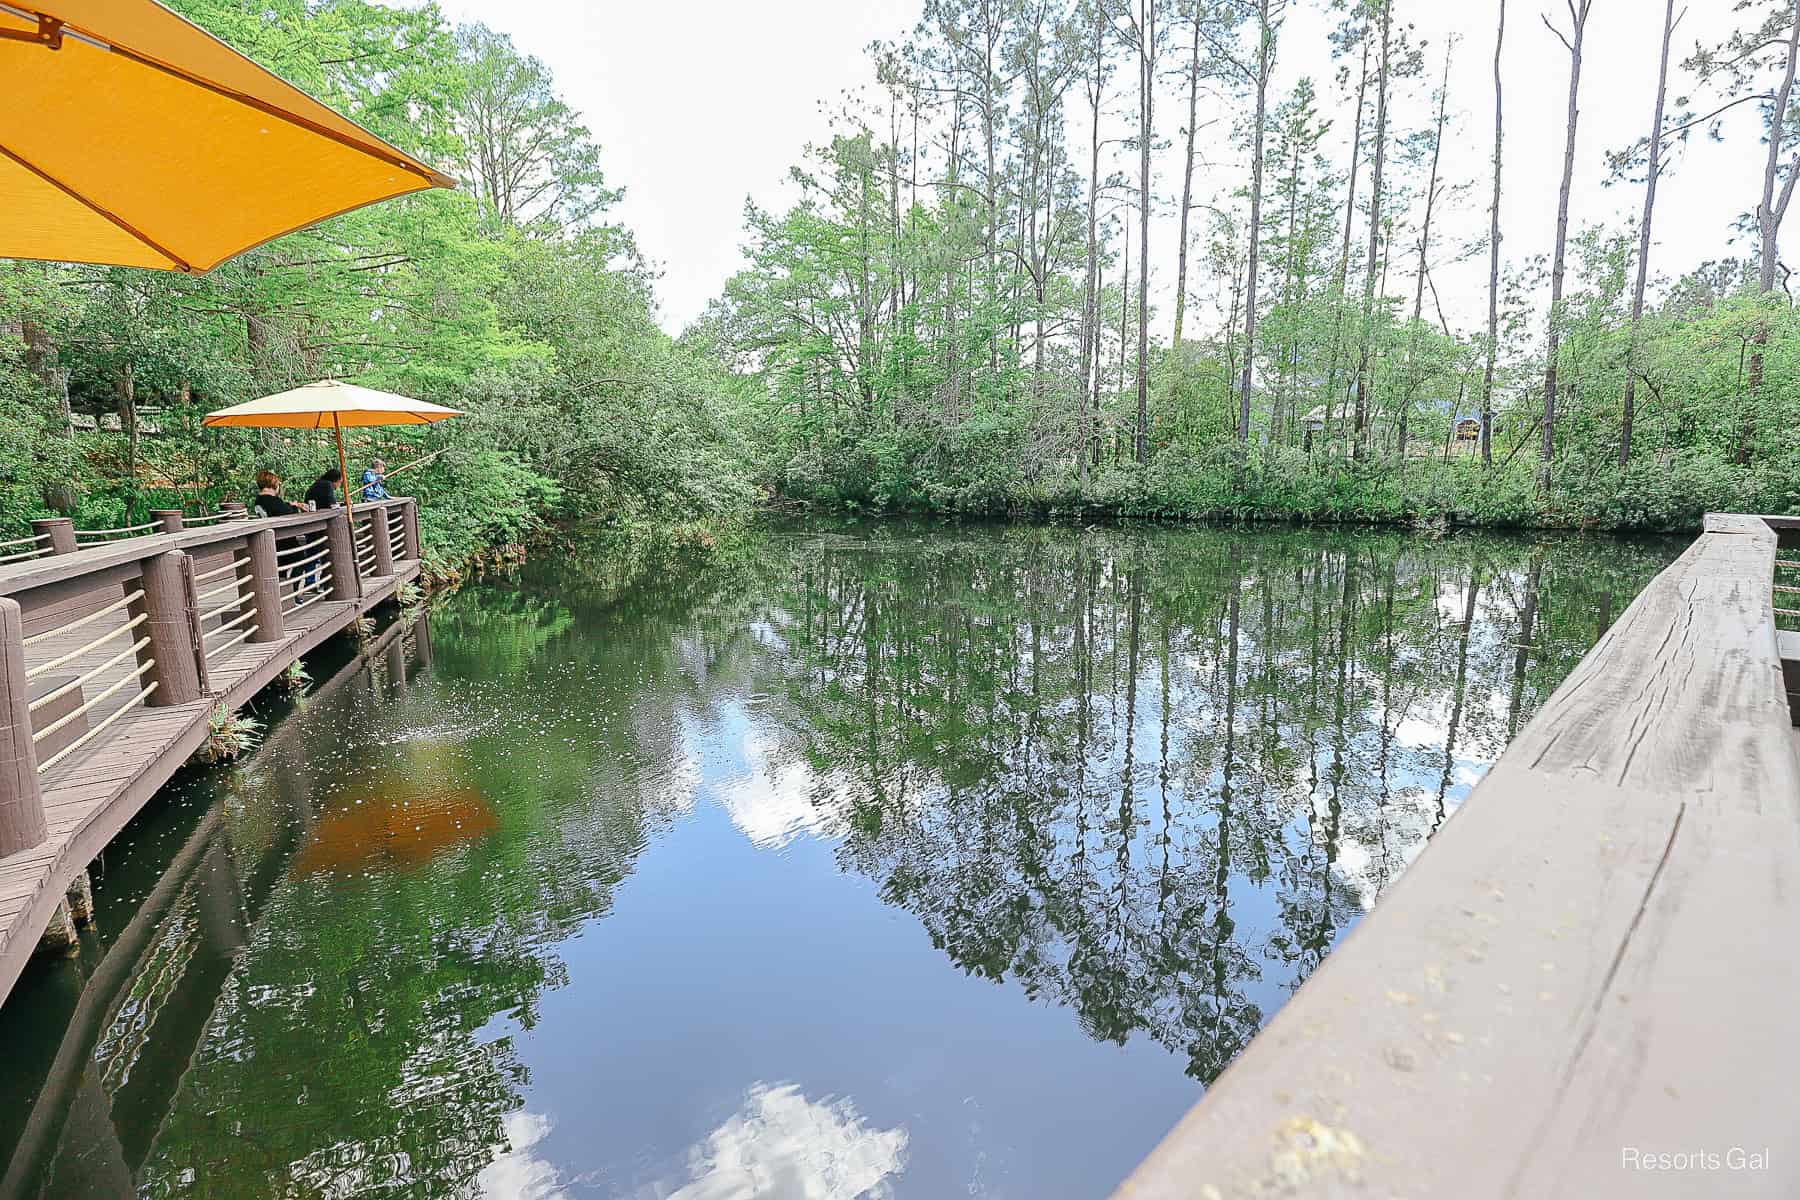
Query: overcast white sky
[700,105]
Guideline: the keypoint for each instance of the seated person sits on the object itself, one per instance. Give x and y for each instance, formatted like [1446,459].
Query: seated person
[269,503]
[374,481]
[323,493]
[268,500]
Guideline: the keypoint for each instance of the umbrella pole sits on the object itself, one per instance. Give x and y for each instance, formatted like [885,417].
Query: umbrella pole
[343,467]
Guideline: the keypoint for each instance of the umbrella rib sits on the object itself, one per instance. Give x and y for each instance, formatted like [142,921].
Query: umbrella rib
[82,200]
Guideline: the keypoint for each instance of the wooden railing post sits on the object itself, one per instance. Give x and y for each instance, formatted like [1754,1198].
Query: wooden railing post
[21,800]
[176,672]
[422,641]
[265,587]
[190,596]
[235,508]
[413,547]
[61,531]
[169,518]
[384,542]
[340,545]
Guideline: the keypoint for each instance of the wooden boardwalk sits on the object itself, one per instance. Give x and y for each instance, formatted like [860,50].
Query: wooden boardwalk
[114,657]
[1591,966]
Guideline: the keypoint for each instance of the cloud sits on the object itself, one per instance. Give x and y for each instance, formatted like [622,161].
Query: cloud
[520,1174]
[772,802]
[782,1146]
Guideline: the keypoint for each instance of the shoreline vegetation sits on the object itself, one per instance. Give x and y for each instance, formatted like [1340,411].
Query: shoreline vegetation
[965,312]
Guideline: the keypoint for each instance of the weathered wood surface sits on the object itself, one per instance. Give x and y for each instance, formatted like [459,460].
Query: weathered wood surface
[90,796]
[1593,962]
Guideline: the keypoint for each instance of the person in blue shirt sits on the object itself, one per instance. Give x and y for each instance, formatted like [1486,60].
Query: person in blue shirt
[374,481]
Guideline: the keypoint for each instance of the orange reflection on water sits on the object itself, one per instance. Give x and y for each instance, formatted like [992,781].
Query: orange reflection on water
[395,822]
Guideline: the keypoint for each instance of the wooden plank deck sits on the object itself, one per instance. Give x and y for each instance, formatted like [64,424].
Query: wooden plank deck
[89,796]
[1594,959]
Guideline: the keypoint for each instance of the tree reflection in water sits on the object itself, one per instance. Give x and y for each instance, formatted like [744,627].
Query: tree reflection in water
[1154,777]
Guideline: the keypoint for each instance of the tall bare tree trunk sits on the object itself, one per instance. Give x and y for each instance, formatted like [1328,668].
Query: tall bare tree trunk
[1265,59]
[125,396]
[1431,190]
[1187,178]
[1146,131]
[1578,15]
[1493,325]
[1343,262]
[1368,307]
[1124,331]
[1090,371]
[1653,170]
[40,360]
[1769,213]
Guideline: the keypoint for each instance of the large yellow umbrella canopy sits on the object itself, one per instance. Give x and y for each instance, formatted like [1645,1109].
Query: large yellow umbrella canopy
[130,137]
[330,404]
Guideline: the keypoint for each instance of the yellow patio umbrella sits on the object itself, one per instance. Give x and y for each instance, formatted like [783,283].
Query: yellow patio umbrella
[330,404]
[130,137]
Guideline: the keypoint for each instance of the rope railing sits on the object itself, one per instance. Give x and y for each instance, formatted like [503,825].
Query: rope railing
[226,626]
[209,518]
[96,537]
[316,545]
[313,583]
[71,656]
[1784,589]
[317,588]
[235,587]
[38,543]
[91,734]
[222,647]
[234,564]
[87,705]
[289,568]
[89,676]
[72,626]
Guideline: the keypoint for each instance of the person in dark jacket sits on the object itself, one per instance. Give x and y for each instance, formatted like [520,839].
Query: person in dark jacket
[269,503]
[323,493]
[268,496]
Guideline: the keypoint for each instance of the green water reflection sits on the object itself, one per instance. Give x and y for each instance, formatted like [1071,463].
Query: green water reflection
[885,860]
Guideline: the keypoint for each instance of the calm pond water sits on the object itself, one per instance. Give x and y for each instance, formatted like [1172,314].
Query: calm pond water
[886,860]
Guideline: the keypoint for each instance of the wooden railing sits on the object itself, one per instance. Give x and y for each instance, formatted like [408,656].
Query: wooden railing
[153,617]
[1584,986]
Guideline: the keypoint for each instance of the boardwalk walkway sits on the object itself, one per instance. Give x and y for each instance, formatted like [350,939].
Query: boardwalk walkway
[113,658]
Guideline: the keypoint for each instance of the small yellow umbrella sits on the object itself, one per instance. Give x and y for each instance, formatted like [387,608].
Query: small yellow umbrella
[130,137]
[330,404]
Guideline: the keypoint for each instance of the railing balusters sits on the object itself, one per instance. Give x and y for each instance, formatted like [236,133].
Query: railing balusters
[21,798]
